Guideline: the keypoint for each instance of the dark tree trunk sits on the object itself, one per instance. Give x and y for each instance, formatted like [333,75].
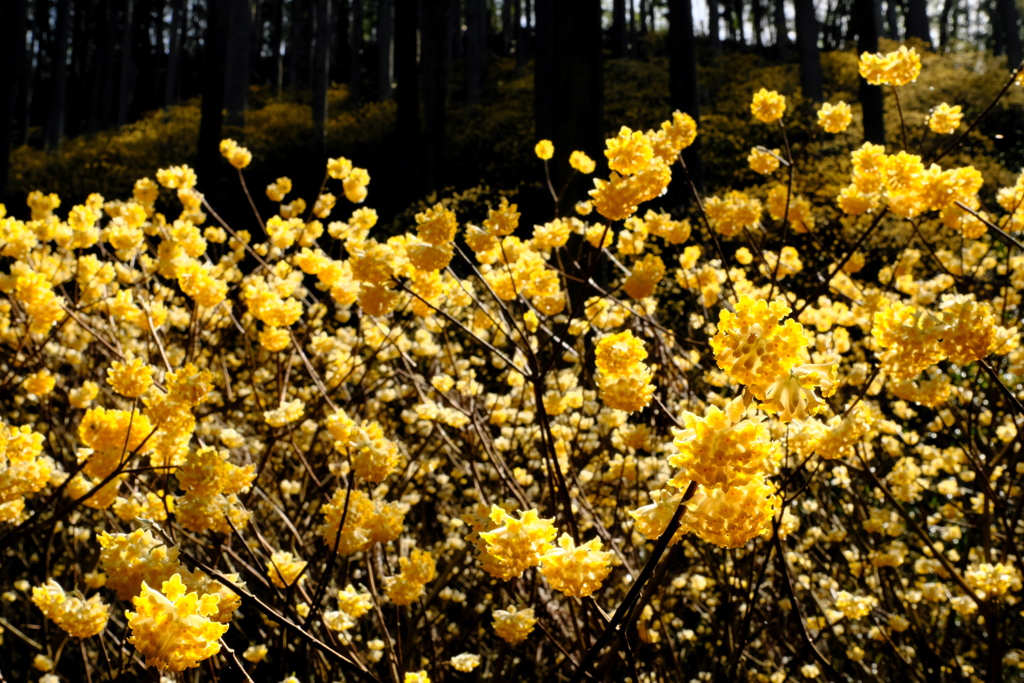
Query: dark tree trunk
[171,85]
[781,32]
[577,86]
[407,95]
[807,45]
[341,61]
[12,34]
[475,36]
[276,36]
[868,19]
[682,65]
[355,46]
[542,71]
[620,42]
[714,27]
[385,35]
[507,33]
[517,32]
[917,20]
[892,26]
[1010,21]
[321,72]
[214,72]
[126,87]
[57,112]
[643,17]
[297,44]
[236,96]
[631,13]
[948,7]
[435,87]
[757,17]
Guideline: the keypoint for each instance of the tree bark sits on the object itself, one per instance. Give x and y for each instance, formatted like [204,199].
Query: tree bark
[214,76]
[355,46]
[435,87]
[619,38]
[276,35]
[124,93]
[811,79]
[917,20]
[385,35]
[869,25]
[12,33]
[507,34]
[171,85]
[714,27]
[757,17]
[543,71]
[781,32]
[236,97]
[57,112]
[944,24]
[474,63]
[892,27]
[321,73]
[682,65]
[577,86]
[1010,20]
[296,44]
[339,47]
[407,95]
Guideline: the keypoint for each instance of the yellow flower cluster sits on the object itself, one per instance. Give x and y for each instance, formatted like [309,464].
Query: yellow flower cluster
[575,570]
[285,569]
[945,119]
[514,545]
[768,106]
[623,379]
[366,521]
[80,618]
[763,161]
[24,470]
[513,625]
[894,68]
[732,213]
[415,572]
[237,156]
[835,118]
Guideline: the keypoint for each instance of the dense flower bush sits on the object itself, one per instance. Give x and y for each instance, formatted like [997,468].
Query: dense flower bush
[781,440]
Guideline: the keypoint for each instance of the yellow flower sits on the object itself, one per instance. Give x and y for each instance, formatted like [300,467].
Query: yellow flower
[644,279]
[416,571]
[763,161]
[512,625]
[515,545]
[40,383]
[284,569]
[172,628]
[895,68]
[255,653]
[576,571]
[581,162]
[945,119]
[835,118]
[339,169]
[731,214]
[544,150]
[79,618]
[131,378]
[628,152]
[768,106]
[731,518]
[237,156]
[465,662]
[617,355]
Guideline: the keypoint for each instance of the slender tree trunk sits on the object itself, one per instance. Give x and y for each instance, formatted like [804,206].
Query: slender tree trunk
[57,112]
[781,32]
[811,79]
[620,41]
[124,95]
[507,33]
[682,65]
[944,24]
[339,46]
[321,72]
[643,17]
[171,86]
[714,27]
[869,25]
[407,95]
[527,30]
[236,97]
[1010,20]
[757,17]
[474,64]
[435,86]
[917,20]
[385,34]
[214,76]
[355,47]
[12,34]
[577,95]
[276,36]
[296,43]
[542,71]
[892,26]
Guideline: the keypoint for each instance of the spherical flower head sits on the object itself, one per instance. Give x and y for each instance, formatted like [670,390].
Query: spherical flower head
[630,394]
[629,152]
[515,545]
[653,519]
[768,106]
[374,457]
[286,413]
[237,156]
[339,168]
[793,397]
[732,213]
[753,348]
[618,355]
[465,662]
[970,328]
[855,606]
[576,571]
[366,521]
[172,628]
[131,378]
[763,161]
[544,150]
[680,132]
[731,518]
[908,338]
[79,618]
[102,429]
[644,279]
[504,220]
[436,225]
[416,571]
[835,118]
[355,185]
[255,653]
[279,189]
[945,119]
[512,625]
[992,580]
[895,68]
[285,569]
[39,383]
[724,448]
[581,162]
[416,677]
